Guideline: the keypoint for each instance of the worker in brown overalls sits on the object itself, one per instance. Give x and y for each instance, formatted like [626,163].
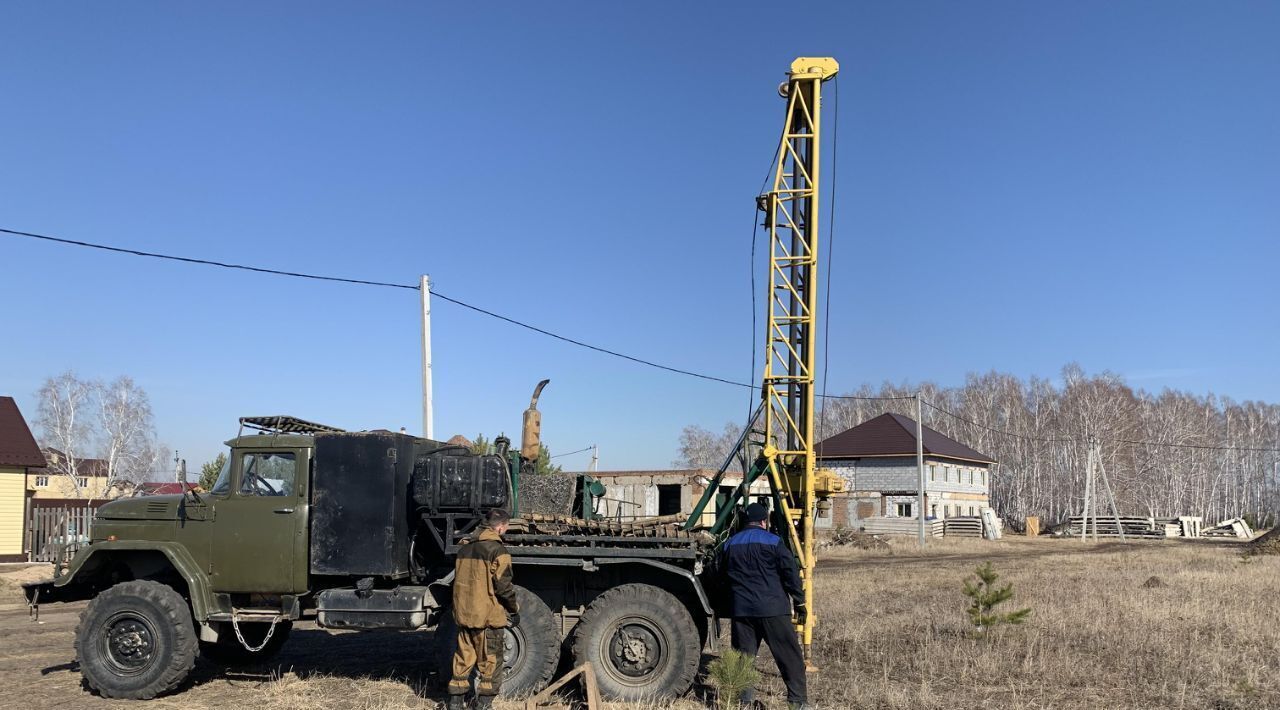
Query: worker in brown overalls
[484,603]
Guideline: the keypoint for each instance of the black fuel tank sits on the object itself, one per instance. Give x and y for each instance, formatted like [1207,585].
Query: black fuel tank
[452,483]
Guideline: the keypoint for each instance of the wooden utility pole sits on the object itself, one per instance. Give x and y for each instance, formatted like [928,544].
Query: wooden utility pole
[427,424]
[920,465]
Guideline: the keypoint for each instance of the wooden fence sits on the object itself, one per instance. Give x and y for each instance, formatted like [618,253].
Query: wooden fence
[56,533]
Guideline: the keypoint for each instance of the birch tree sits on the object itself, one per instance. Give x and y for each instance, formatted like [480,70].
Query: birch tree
[126,431]
[65,421]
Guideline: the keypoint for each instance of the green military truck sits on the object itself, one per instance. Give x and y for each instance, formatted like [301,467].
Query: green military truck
[358,530]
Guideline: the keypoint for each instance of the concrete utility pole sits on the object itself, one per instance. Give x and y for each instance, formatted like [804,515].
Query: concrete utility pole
[424,287]
[920,463]
[595,458]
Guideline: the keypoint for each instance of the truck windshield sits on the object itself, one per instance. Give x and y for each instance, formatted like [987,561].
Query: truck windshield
[222,486]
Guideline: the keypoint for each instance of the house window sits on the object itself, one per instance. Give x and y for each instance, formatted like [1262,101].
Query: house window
[42,481]
[82,481]
[972,512]
[903,510]
[947,512]
[933,472]
[968,473]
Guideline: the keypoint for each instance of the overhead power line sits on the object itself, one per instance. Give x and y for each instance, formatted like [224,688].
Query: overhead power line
[408,287]
[571,453]
[384,284]
[205,262]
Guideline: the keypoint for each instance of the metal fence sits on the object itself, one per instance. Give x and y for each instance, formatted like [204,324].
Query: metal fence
[57,533]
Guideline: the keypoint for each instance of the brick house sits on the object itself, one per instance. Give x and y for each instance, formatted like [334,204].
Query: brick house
[877,459]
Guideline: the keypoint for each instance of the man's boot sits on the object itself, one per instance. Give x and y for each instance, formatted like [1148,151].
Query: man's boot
[457,702]
[484,702]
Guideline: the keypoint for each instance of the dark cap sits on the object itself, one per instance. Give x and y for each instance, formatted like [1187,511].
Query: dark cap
[757,513]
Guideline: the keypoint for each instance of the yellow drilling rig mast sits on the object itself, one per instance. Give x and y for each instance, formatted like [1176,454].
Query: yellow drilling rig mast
[784,451]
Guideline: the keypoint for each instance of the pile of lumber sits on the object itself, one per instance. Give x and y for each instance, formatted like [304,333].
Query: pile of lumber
[899,526]
[664,527]
[1108,526]
[963,526]
[1235,527]
[1135,526]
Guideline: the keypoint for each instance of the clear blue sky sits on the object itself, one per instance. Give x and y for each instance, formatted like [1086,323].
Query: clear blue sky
[1020,185]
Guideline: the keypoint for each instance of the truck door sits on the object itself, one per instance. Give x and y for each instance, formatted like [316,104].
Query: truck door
[259,544]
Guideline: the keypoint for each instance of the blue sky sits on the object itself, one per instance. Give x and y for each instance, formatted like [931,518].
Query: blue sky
[1020,185]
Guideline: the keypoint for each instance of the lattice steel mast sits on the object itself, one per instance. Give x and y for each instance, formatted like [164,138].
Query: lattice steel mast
[786,412]
[792,215]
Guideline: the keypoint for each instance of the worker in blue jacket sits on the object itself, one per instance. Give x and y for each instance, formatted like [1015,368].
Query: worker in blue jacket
[764,588]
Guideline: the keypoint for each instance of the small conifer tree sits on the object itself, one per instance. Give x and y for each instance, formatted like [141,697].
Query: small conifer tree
[984,596]
[730,674]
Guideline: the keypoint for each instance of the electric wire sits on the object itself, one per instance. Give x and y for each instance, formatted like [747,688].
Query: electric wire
[606,351]
[385,284]
[755,238]
[571,453]
[831,244]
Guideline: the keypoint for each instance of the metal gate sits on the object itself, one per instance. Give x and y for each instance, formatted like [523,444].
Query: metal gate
[57,533]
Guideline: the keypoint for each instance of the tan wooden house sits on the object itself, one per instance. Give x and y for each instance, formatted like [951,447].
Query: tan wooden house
[19,455]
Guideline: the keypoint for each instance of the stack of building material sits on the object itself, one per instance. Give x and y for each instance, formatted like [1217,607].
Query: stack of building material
[1108,526]
[899,526]
[548,493]
[1235,527]
[962,527]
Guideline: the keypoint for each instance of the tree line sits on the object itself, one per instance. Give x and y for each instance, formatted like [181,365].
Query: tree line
[1166,454]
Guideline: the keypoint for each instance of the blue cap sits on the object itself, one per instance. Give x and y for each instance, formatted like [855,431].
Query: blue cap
[757,513]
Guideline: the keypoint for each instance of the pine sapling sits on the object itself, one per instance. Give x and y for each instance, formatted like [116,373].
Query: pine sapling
[731,674]
[985,596]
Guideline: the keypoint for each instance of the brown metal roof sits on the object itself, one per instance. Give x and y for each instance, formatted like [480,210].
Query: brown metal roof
[17,446]
[894,435]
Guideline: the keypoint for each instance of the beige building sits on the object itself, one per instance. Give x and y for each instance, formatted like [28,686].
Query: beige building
[53,481]
[640,494]
[19,455]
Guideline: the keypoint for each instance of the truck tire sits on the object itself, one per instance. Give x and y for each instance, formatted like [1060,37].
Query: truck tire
[135,641]
[228,651]
[531,651]
[641,641]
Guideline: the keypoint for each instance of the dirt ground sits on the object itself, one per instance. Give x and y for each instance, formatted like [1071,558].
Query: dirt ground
[892,634]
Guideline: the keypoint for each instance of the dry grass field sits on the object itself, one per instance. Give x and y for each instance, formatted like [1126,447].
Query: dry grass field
[892,634]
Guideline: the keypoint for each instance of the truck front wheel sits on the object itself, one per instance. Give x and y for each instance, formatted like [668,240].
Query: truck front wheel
[641,641]
[136,640]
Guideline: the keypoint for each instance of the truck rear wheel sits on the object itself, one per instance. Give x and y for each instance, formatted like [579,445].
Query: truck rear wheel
[641,641]
[531,651]
[228,651]
[136,640]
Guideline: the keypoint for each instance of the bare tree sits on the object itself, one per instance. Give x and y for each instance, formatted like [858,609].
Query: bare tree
[126,432]
[700,448]
[65,421]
